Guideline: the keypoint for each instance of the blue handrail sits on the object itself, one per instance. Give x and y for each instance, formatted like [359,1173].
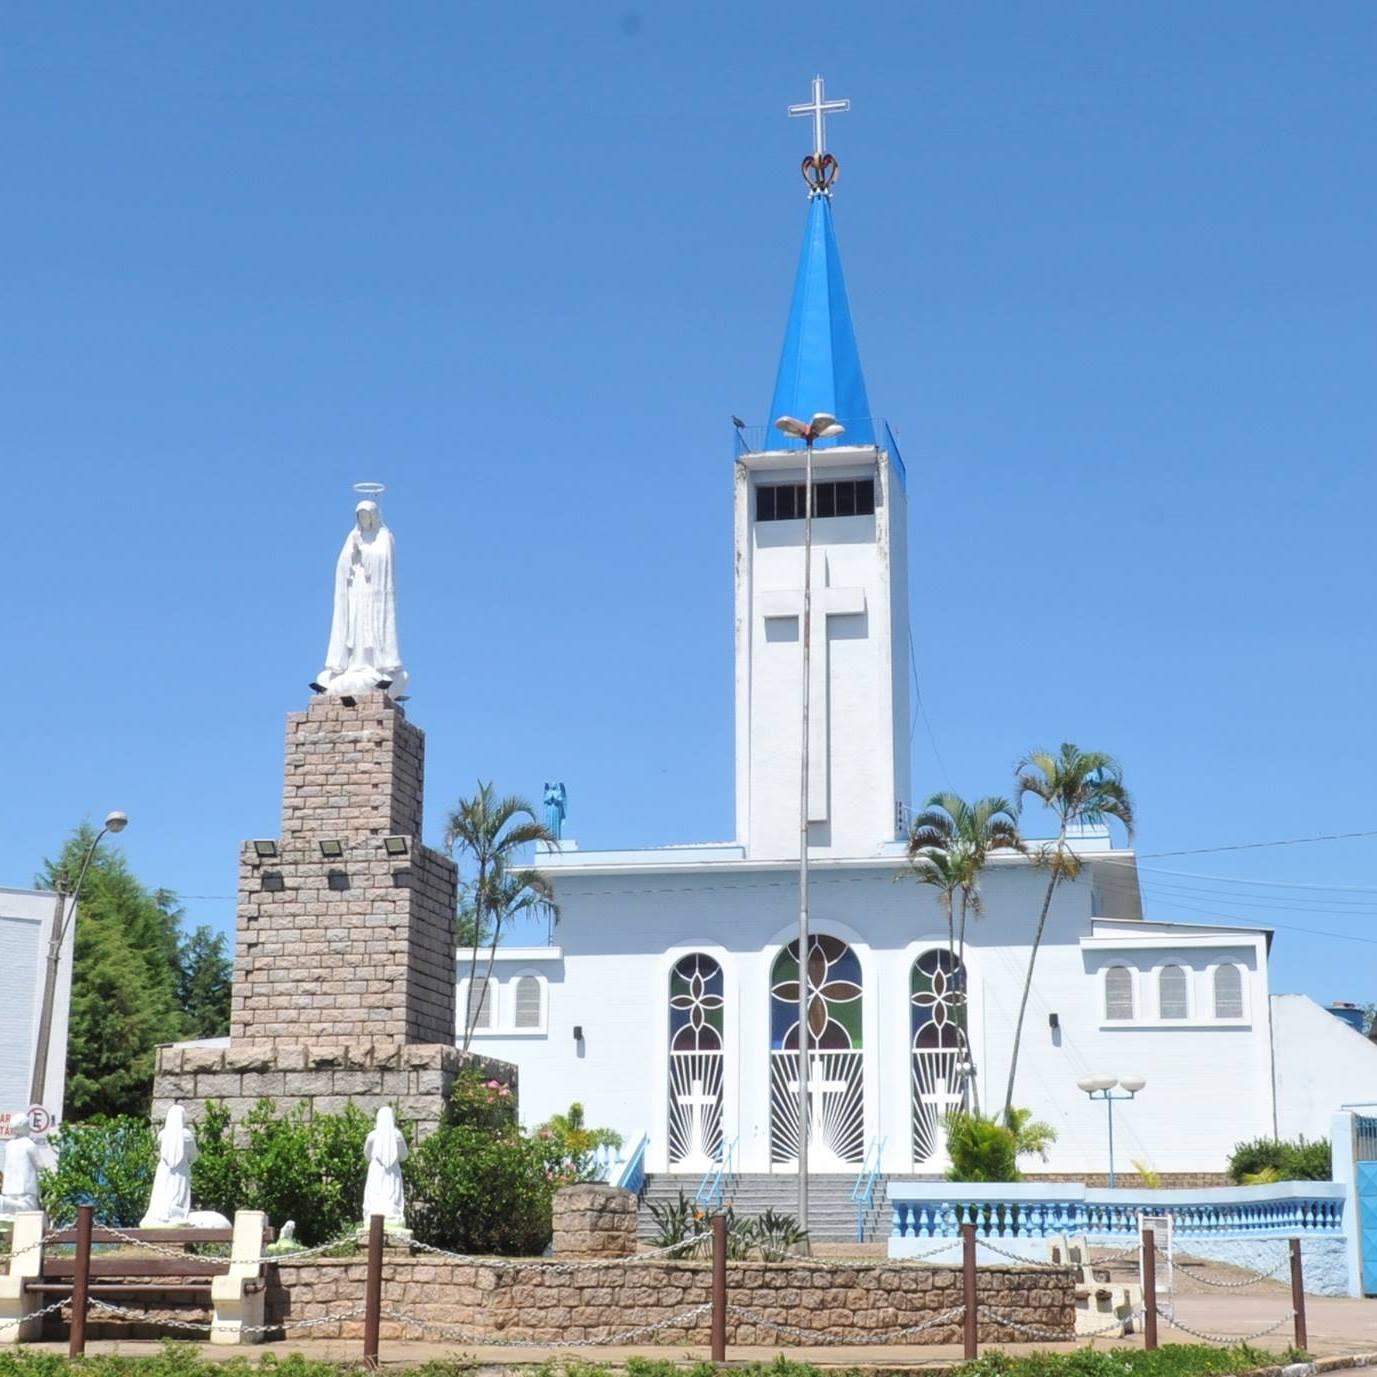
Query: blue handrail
[863,1192]
[714,1183]
[631,1177]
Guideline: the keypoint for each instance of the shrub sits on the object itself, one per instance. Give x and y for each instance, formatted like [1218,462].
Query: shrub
[311,1170]
[1279,1159]
[481,1102]
[571,1147]
[675,1221]
[984,1149]
[475,1191]
[981,1150]
[107,1163]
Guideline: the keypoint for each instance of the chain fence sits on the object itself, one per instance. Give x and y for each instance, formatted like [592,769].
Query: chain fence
[1229,1339]
[1118,1324]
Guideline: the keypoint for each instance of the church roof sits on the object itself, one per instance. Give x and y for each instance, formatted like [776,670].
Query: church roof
[820,366]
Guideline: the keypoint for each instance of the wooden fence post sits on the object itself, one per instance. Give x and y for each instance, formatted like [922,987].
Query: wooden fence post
[1298,1295]
[970,1319]
[81,1280]
[372,1294]
[719,1288]
[1149,1290]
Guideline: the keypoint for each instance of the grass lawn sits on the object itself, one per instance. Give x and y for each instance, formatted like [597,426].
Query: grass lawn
[186,1360]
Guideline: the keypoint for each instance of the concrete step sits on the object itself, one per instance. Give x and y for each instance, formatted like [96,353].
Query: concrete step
[831,1211]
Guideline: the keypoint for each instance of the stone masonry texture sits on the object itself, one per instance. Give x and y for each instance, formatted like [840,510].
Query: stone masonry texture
[594,1221]
[343,965]
[537,1302]
[358,948]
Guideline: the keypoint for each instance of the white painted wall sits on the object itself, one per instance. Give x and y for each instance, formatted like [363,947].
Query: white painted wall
[26,918]
[1209,1084]
[862,714]
[1322,1064]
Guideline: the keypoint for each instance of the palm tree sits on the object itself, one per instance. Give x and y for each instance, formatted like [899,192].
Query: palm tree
[948,847]
[492,831]
[1083,788]
[941,867]
[966,833]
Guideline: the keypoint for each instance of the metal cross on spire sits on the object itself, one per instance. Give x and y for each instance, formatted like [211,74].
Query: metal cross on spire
[819,108]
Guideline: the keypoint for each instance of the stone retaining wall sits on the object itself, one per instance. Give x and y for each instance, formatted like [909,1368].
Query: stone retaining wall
[539,1303]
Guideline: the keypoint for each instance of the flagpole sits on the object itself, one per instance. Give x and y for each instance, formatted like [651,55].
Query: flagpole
[806,631]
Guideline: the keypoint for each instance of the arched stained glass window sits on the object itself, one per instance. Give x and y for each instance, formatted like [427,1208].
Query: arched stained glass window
[696,1041]
[1228,991]
[937,1025]
[836,1115]
[1172,999]
[1118,994]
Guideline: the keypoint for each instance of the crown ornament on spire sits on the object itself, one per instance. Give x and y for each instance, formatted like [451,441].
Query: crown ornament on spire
[820,168]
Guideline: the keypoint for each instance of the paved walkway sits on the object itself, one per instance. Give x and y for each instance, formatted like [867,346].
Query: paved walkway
[1337,1326]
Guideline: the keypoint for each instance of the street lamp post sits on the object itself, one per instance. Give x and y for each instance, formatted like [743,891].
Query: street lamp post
[1101,1087]
[821,426]
[62,918]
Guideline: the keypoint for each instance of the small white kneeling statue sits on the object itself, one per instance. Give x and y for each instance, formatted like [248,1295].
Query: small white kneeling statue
[363,654]
[170,1203]
[19,1186]
[386,1150]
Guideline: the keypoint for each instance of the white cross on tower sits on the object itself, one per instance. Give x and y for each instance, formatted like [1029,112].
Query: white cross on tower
[818,108]
[827,602]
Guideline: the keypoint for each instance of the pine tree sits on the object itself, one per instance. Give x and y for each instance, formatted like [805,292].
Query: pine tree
[203,983]
[124,983]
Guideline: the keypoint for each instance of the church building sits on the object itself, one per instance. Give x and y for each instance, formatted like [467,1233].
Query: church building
[667,1003]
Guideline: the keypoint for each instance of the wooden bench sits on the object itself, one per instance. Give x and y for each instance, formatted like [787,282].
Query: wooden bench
[233,1287]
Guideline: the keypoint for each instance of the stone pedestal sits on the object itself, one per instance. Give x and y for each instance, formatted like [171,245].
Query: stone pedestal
[594,1221]
[344,976]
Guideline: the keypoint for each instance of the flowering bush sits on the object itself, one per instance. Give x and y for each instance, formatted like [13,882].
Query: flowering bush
[478,1101]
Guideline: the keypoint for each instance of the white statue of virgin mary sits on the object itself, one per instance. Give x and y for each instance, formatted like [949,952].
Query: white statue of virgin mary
[363,654]
[170,1201]
[386,1150]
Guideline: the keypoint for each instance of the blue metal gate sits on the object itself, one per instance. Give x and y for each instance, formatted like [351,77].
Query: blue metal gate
[1365,1151]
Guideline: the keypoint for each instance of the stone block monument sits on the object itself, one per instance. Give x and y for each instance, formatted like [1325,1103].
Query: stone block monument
[344,960]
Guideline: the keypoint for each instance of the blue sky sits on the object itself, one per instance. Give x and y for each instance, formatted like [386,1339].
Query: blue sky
[1111,270]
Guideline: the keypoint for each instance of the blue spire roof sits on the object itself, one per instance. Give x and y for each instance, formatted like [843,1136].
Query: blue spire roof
[820,367]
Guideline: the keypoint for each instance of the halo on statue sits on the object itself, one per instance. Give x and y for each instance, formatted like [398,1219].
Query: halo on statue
[370,490]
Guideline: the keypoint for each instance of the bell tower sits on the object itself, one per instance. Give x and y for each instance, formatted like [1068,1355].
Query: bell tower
[858,739]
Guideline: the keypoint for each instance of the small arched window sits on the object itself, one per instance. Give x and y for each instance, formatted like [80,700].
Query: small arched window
[1228,992]
[528,1002]
[480,1003]
[1171,992]
[1118,994]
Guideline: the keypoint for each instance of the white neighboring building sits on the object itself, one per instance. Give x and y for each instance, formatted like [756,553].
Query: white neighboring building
[669,1006]
[26,926]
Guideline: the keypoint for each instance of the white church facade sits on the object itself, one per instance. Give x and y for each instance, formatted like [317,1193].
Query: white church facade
[668,1004]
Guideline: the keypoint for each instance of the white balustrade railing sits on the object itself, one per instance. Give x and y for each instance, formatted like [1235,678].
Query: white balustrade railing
[1025,1210]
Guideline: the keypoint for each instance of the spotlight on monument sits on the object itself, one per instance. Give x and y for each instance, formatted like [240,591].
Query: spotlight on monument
[395,846]
[273,882]
[331,850]
[265,850]
[116,821]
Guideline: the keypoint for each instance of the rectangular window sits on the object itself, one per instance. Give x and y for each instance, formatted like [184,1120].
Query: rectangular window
[842,497]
